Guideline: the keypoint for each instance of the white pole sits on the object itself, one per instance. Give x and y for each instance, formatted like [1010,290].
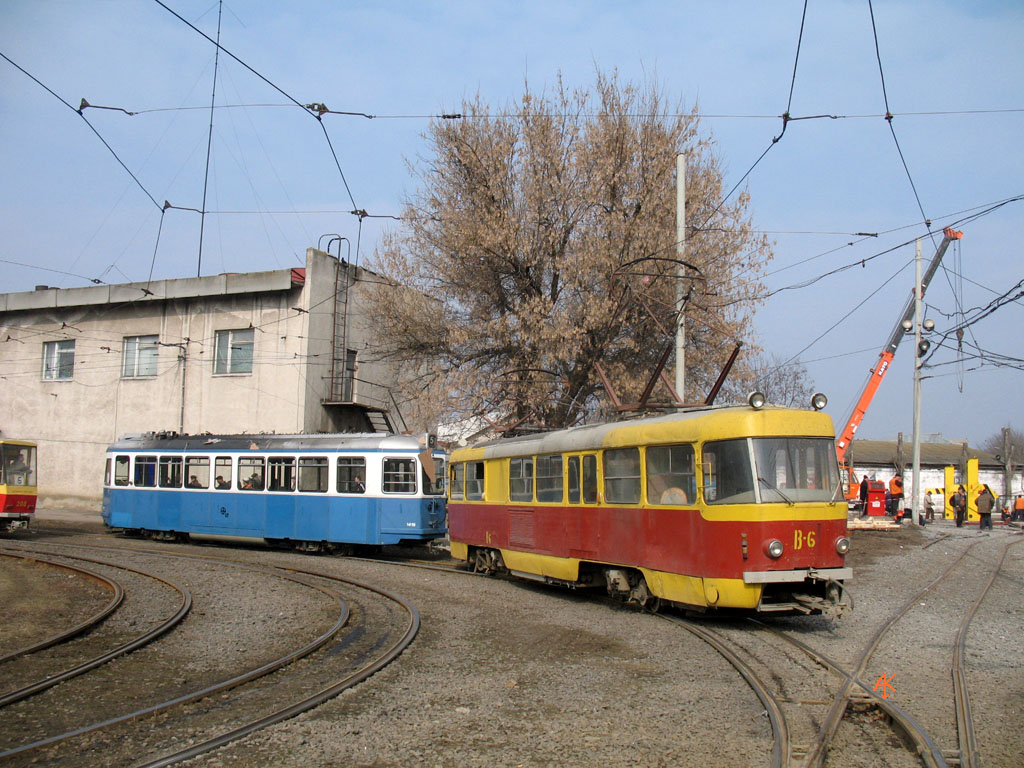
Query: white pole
[917,386]
[680,274]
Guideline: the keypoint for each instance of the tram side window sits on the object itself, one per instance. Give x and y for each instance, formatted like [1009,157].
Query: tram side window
[458,478]
[520,479]
[351,474]
[145,471]
[250,473]
[622,476]
[573,470]
[170,471]
[121,473]
[671,476]
[281,473]
[728,478]
[222,469]
[399,476]
[313,474]
[197,470]
[590,479]
[549,478]
[475,480]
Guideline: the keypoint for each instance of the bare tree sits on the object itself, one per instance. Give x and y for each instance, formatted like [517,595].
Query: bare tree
[782,382]
[542,241]
[994,444]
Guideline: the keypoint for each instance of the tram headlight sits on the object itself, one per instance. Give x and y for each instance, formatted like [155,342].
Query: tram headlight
[773,549]
[756,400]
[818,401]
[842,545]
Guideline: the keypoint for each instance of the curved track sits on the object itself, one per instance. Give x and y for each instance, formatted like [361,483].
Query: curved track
[301,576]
[117,597]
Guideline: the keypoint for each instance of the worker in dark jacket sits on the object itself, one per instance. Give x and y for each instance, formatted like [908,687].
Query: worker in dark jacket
[959,504]
[986,501]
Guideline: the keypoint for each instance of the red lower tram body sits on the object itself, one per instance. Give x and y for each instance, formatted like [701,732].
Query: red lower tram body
[682,556]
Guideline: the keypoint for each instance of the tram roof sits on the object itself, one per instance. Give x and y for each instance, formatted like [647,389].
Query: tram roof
[243,443]
[700,424]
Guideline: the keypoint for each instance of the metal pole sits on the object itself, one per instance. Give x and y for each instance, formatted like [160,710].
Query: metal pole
[917,385]
[680,273]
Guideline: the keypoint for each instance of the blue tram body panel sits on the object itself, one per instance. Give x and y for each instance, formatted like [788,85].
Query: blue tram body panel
[341,507]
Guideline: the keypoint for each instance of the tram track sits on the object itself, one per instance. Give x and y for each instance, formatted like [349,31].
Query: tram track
[114,587]
[222,735]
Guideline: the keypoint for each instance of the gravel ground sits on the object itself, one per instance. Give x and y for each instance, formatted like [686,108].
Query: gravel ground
[511,673]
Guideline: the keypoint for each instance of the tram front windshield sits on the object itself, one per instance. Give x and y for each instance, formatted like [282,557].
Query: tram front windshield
[770,470]
[18,464]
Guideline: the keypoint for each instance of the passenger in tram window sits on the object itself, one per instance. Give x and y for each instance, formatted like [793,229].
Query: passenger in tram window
[222,484]
[357,485]
[193,482]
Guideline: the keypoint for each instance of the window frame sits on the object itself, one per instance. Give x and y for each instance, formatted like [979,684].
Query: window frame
[550,487]
[281,476]
[202,478]
[170,472]
[614,483]
[139,466]
[346,469]
[248,463]
[218,463]
[683,481]
[54,365]
[520,479]
[141,351]
[318,467]
[476,487]
[237,359]
[407,477]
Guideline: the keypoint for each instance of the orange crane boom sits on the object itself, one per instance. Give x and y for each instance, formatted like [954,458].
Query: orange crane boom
[889,350]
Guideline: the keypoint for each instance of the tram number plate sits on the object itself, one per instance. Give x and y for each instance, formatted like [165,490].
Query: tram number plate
[803,539]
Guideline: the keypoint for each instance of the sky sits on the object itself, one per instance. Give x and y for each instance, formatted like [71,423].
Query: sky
[280,181]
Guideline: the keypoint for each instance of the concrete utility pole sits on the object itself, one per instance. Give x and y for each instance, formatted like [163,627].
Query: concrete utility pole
[680,274]
[917,385]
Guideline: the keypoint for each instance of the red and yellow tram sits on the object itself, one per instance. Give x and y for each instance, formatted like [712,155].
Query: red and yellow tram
[709,509]
[17,483]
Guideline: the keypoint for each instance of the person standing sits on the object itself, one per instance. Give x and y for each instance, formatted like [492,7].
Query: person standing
[864,495]
[986,501]
[929,506]
[959,504]
[896,495]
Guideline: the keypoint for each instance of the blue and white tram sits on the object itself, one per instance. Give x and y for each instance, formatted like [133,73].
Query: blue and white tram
[313,492]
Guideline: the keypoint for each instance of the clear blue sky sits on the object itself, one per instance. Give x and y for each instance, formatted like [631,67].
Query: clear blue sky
[67,206]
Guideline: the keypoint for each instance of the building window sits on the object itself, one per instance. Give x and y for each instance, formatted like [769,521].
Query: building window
[58,360]
[233,351]
[139,356]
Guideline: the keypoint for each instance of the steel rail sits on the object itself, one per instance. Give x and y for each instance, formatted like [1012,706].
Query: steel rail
[78,629]
[224,685]
[969,757]
[781,748]
[159,631]
[816,757]
[310,702]
[930,752]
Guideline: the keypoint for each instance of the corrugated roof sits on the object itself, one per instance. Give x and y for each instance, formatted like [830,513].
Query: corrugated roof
[883,453]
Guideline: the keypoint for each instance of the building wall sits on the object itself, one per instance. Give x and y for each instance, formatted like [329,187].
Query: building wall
[74,420]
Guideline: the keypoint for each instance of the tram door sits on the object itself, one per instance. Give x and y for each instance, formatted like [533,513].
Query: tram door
[582,531]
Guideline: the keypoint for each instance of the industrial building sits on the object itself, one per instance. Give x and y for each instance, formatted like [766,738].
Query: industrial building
[280,351]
